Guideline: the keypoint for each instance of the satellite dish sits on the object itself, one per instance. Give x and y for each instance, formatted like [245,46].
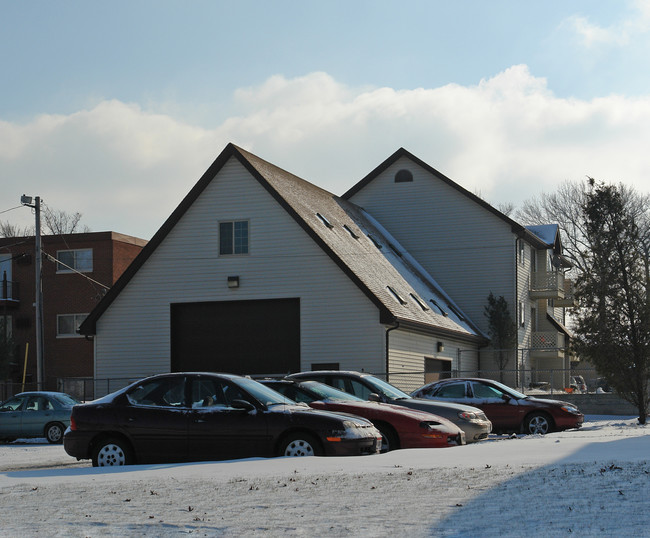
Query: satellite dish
[556,261]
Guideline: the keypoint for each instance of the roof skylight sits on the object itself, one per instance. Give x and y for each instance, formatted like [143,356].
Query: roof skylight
[419,301]
[396,295]
[324,220]
[442,311]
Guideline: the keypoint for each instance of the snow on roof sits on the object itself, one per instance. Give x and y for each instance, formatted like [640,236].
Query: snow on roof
[546,232]
[367,252]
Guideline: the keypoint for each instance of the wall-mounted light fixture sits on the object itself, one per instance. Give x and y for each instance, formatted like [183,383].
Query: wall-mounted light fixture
[233,281]
[440,347]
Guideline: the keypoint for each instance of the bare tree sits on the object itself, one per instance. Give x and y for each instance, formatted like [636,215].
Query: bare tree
[11,230]
[53,222]
[59,222]
[564,208]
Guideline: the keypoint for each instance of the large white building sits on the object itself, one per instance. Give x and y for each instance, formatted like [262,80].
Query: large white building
[258,272]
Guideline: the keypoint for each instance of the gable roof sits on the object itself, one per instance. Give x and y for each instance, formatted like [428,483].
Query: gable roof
[358,246]
[518,229]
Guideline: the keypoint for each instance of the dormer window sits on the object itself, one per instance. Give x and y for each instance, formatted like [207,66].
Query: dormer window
[403,176]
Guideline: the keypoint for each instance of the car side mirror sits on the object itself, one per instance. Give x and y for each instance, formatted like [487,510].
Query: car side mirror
[242,404]
[374,397]
[505,398]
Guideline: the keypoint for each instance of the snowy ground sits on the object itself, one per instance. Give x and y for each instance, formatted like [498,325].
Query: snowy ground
[592,482]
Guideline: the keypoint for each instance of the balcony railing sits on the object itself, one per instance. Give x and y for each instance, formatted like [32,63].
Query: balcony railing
[547,344]
[9,291]
[569,299]
[547,285]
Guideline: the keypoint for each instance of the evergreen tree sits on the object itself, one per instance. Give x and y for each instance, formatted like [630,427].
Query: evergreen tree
[502,330]
[613,319]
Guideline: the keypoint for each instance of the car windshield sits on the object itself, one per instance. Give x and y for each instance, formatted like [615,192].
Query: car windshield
[508,390]
[386,389]
[262,393]
[325,392]
[65,399]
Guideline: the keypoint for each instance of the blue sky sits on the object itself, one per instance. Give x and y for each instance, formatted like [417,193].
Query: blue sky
[104,104]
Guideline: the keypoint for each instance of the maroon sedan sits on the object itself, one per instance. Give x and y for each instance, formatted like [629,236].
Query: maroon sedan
[400,427]
[507,409]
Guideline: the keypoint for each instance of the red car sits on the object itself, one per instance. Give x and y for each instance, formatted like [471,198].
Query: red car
[507,409]
[400,427]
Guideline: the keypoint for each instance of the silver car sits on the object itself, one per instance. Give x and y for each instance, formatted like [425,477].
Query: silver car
[368,387]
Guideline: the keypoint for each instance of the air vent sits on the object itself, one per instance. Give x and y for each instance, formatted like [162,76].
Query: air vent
[403,176]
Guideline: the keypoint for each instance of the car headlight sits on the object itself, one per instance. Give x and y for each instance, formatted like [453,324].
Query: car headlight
[430,430]
[351,430]
[467,415]
[570,409]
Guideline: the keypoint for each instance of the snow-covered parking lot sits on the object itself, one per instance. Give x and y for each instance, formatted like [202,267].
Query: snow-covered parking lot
[592,482]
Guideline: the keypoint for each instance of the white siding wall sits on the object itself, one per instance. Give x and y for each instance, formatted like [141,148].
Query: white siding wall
[467,249]
[407,351]
[338,322]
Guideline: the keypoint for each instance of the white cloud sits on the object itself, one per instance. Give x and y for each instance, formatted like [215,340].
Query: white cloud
[620,33]
[508,137]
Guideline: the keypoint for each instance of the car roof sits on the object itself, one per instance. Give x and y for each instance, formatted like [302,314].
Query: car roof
[350,373]
[39,393]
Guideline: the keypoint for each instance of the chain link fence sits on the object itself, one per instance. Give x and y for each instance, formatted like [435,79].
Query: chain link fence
[526,380]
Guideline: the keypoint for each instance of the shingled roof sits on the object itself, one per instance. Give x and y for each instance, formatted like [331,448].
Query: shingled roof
[362,249]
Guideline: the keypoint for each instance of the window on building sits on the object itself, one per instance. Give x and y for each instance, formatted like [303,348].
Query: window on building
[79,260]
[68,324]
[5,327]
[233,237]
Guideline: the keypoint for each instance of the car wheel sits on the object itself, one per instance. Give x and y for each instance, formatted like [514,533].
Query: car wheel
[389,440]
[300,444]
[110,452]
[538,423]
[54,433]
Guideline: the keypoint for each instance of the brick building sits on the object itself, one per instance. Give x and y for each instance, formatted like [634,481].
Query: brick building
[77,269]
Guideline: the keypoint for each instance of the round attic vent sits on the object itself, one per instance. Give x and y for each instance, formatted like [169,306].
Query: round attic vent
[403,176]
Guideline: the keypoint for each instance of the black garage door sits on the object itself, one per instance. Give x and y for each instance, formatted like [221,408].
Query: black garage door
[239,337]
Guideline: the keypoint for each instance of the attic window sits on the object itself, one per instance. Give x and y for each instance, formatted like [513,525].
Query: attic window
[419,302]
[403,176]
[435,303]
[325,221]
[396,295]
[349,230]
[375,242]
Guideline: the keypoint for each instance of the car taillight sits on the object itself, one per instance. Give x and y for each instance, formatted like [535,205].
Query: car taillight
[73,423]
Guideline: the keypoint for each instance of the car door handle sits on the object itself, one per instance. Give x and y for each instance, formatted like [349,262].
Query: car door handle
[199,420]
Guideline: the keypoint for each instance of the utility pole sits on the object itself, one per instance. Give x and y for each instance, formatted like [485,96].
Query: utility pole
[38,292]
